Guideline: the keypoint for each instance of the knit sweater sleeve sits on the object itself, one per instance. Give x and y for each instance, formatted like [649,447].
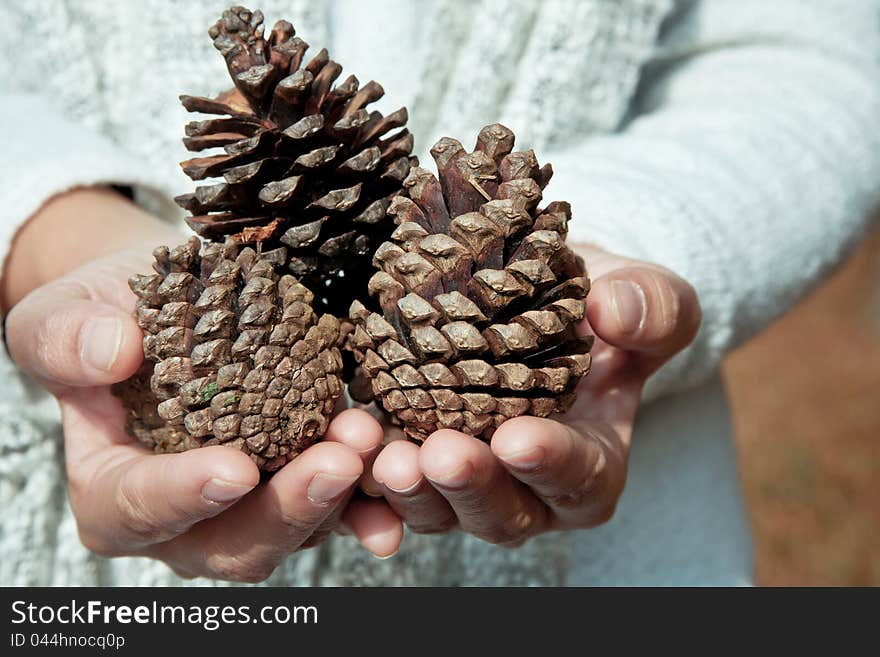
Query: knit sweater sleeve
[45,154]
[751,164]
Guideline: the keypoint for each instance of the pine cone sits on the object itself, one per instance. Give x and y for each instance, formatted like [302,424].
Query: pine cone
[235,355]
[478,296]
[305,165]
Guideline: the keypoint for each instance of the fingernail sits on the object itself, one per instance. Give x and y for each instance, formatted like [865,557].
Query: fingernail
[376,544]
[222,491]
[100,340]
[387,556]
[371,489]
[406,490]
[629,305]
[324,487]
[525,460]
[459,478]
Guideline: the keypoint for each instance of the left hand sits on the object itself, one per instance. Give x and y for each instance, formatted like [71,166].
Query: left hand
[539,474]
[203,512]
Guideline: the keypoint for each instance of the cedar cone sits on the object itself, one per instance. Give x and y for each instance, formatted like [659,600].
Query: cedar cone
[478,296]
[305,164]
[234,355]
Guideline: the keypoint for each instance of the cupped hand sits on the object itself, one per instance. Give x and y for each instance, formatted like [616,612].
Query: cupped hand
[204,512]
[537,474]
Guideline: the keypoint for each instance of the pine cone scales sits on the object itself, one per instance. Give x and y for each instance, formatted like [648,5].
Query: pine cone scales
[235,355]
[304,164]
[478,296]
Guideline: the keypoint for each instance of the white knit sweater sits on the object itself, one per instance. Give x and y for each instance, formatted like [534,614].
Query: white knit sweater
[734,141]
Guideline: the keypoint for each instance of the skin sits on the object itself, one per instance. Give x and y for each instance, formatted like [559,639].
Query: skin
[204,512]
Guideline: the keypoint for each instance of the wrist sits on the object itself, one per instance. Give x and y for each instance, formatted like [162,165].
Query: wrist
[71,229]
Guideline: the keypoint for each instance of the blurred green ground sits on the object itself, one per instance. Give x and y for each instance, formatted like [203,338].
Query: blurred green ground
[806,402]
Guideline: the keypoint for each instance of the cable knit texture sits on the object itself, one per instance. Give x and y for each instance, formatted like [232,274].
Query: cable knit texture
[733,141]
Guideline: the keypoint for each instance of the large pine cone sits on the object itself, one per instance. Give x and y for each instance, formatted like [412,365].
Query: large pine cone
[305,164]
[235,355]
[479,296]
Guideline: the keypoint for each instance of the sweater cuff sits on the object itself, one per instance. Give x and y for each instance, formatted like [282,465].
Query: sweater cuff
[49,155]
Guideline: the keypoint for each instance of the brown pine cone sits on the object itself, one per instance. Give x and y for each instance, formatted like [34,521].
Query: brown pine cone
[478,296]
[305,164]
[235,355]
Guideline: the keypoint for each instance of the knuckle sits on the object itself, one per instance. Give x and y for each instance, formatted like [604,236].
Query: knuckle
[512,545]
[693,316]
[588,488]
[295,526]
[39,338]
[599,515]
[134,515]
[676,306]
[595,499]
[434,526]
[298,523]
[502,537]
[238,569]
[571,500]
[666,308]
[316,539]
[606,512]
[512,530]
[92,540]
[182,573]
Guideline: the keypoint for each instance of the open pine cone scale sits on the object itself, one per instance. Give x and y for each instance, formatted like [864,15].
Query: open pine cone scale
[304,163]
[234,355]
[479,298]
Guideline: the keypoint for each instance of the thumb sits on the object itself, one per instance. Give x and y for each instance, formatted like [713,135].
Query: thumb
[60,336]
[645,310]
[155,497]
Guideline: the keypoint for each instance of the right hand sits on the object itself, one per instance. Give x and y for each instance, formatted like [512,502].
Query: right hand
[203,512]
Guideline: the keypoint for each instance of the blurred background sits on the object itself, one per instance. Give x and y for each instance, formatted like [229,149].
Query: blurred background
[806,404]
